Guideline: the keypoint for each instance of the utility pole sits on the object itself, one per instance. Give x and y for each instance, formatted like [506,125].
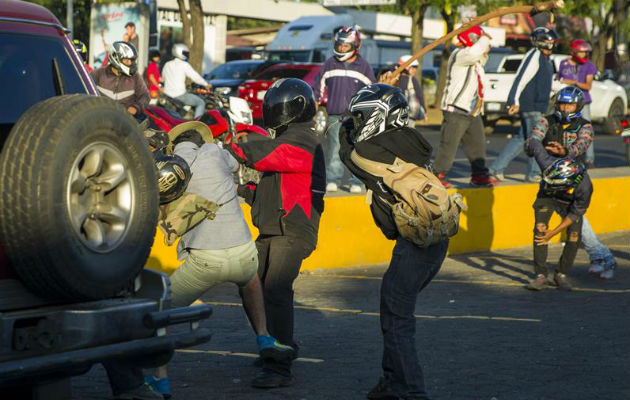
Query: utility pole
[69,18]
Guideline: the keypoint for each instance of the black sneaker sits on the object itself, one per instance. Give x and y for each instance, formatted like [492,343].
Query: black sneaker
[268,380]
[382,391]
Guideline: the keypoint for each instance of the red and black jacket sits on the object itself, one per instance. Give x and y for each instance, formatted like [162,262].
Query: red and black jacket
[289,199]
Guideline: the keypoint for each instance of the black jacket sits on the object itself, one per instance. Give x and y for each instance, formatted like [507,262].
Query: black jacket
[578,198]
[404,143]
[289,199]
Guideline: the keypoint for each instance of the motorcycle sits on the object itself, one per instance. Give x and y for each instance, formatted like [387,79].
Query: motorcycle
[227,118]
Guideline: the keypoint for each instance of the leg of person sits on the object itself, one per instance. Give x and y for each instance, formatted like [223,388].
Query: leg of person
[453,128]
[243,270]
[602,259]
[528,120]
[410,270]
[194,101]
[543,209]
[334,166]
[568,254]
[474,146]
[284,259]
[590,152]
[511,150]
[201,270]
[127,381]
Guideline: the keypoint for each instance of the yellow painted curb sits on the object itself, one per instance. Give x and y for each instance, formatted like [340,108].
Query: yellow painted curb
[497,218]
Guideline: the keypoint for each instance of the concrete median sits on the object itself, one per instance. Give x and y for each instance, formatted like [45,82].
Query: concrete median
[497,218]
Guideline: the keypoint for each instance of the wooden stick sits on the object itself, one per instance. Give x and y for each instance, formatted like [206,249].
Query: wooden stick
[536,8]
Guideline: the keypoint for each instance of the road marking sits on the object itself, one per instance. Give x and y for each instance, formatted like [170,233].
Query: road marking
[375,314]
[239,354]
[475,282]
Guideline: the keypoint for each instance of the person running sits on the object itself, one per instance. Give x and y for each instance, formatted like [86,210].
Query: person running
[462,104]
[529,96]
[412,267]
[567,133]
[286,207]
[579,71]
[341,76]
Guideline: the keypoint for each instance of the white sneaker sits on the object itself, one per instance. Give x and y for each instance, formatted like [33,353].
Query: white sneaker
[534,179]
[597,267]
[355,189]
[331,187]
[609,271]
[498,176]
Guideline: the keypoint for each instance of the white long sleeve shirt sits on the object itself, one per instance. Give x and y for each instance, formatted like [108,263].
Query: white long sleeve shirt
[175,73]
[464,74]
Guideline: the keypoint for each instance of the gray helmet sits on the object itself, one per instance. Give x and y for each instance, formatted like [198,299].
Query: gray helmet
[120,51]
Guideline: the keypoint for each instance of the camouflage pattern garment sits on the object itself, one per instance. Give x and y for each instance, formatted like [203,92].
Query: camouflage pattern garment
[181,215]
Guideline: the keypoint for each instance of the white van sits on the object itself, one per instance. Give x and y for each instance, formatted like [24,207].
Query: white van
[310,40]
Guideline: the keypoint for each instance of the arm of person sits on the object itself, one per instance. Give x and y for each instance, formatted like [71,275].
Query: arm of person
[540,129]
[141,96]
[319,84]
[194,75]
[585,85]
[544,239]
[525,73]
[272,155]
[534,148]
[247,192]
[473,54]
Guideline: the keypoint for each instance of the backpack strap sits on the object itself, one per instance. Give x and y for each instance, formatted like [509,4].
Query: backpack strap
[372,167]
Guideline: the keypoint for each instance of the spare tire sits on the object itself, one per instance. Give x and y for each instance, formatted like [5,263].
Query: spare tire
[79,200]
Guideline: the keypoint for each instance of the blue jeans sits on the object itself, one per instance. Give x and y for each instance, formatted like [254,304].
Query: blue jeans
[410,270]
[595,249]
[515,147]
[194,101]
[334,166]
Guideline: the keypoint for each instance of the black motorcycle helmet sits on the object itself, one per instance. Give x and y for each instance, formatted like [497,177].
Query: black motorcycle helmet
[544,38]
[287,101]
[569,94]
[173,176]
[376,108]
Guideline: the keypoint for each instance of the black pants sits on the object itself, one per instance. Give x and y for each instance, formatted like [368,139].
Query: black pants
[468,130]
[279,262]
[122,376]
[543,209]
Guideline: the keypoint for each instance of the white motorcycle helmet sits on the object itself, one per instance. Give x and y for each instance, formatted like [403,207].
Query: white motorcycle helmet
[181,51]
[120,51]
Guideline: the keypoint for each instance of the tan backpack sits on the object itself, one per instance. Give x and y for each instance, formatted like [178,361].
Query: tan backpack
[424,212]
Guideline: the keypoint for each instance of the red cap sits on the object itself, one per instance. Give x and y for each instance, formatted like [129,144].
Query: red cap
[470,37]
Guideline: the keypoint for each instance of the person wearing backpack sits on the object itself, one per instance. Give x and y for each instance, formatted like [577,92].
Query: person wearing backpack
[215,250]
[393,152]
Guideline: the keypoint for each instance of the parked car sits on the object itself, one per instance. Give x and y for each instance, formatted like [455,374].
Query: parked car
[78,211]
[607,109]
[253,90]
[232,73]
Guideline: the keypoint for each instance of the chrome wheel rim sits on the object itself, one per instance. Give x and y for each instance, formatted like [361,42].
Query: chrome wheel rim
[100,195]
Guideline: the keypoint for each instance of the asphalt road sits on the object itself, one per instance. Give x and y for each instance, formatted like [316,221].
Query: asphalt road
[480,334]
[609,151]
